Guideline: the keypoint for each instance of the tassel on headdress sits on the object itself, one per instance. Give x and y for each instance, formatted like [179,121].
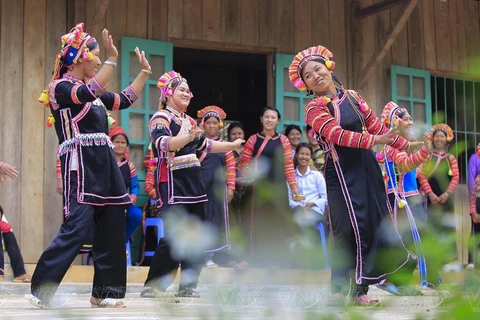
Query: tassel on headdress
[445,128]
[50,120]
[390,114]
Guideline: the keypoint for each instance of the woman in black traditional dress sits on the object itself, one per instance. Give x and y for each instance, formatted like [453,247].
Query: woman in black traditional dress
[347,131]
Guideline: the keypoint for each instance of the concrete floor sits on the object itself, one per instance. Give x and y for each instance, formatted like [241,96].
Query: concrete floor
[222,302]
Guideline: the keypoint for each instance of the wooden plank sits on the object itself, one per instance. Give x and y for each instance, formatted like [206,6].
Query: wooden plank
[366,49]
[249,11]
[377,7]
[442,36]
[116,21]
[231,21]
[268,23]
[11,62]
[192,19]
[220,46]
[100,10]
[212,24]
[303,25]
[175,18]
[71,12]
[338,44]
[158,20]
[285,41]
[80,11]
[400,46]
[392,34]
[32,128]
[461,52]
[452,22]
[137,18]
[473,43]
[349,43]
[429,31]
[416,39]
[320,19]
[56,26]
[94,23]
[382,75]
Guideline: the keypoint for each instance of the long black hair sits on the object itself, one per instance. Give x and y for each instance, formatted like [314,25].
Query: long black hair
[300,146]
[291,127]
[271,109]
[234,125]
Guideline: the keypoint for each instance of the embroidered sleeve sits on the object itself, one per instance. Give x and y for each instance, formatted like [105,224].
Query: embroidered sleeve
[288,162]
[324,123]
[455,174]
[374,126]
[231,170]
[159,129]
[67,92]
[119,101]
[150,184]
[204,144]
[134,186]
[244,166]
[473,195]
[58,168]
[147,158]
[406,162]
[423,180]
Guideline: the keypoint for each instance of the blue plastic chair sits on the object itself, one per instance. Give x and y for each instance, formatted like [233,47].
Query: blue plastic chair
[321,228]
[158,223]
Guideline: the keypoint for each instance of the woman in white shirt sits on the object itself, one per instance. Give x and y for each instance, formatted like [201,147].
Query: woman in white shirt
[309,211]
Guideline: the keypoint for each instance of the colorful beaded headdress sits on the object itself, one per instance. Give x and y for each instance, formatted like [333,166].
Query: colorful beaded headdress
[445,128]
[478,149]
[165,83]
[302,58]
[390,114]
[212,111]
[75,44]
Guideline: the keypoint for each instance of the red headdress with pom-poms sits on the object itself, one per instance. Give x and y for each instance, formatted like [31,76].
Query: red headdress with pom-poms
[212,111]
[301,59]
[74,46]
[390,114]
[165,83]
[445,128]
[478,149]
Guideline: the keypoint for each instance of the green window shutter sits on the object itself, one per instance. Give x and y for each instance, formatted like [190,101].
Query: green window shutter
[411,90]
[288,100]
[135,119]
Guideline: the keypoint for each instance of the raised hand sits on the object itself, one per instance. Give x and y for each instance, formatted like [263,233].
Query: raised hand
[9,171]
[237,143]
[142,59]
[110,48]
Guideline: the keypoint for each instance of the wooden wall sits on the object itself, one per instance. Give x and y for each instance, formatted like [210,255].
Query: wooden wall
[442,37]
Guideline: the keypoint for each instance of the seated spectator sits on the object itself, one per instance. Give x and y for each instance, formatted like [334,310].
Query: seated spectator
[11,246]
[294,135]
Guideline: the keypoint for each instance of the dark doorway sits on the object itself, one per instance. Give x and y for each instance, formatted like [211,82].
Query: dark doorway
[236,82]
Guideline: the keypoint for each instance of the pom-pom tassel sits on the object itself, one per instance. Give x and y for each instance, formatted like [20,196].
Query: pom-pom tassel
[44,98]
[312,134]
[152,164]
[220,124]
[380,157]
[450,173]
[111,120]
[402,203]
[50,121]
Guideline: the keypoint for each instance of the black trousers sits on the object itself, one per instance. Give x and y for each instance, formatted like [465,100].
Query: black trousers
[16,260]
[109,255]
[163,266]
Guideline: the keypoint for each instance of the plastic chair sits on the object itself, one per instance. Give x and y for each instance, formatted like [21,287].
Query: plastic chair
[129,255]
[321,228]
[158,223]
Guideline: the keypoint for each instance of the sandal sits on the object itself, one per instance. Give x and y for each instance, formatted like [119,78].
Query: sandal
[187,293]
[241,265]
[148,292]
[210,264]
[365,301]
[36,302]
[25,278]
[107,303]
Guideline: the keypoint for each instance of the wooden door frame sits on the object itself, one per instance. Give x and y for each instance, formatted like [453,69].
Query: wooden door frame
[231,47]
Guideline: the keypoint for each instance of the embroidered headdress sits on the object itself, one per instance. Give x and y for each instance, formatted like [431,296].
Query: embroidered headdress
[478,149]
[391,114]
[212,111]
[302,58]
[445,128]
[165,84]
[75,44]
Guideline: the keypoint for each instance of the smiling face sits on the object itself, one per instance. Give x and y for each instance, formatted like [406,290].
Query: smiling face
[294,136]
[318,78]
[303,156]
[181,97]
[212,127]
[439,140]
[406,126]
[269,120]
[236,133]
[312,140]
[120,143]
[91,67]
